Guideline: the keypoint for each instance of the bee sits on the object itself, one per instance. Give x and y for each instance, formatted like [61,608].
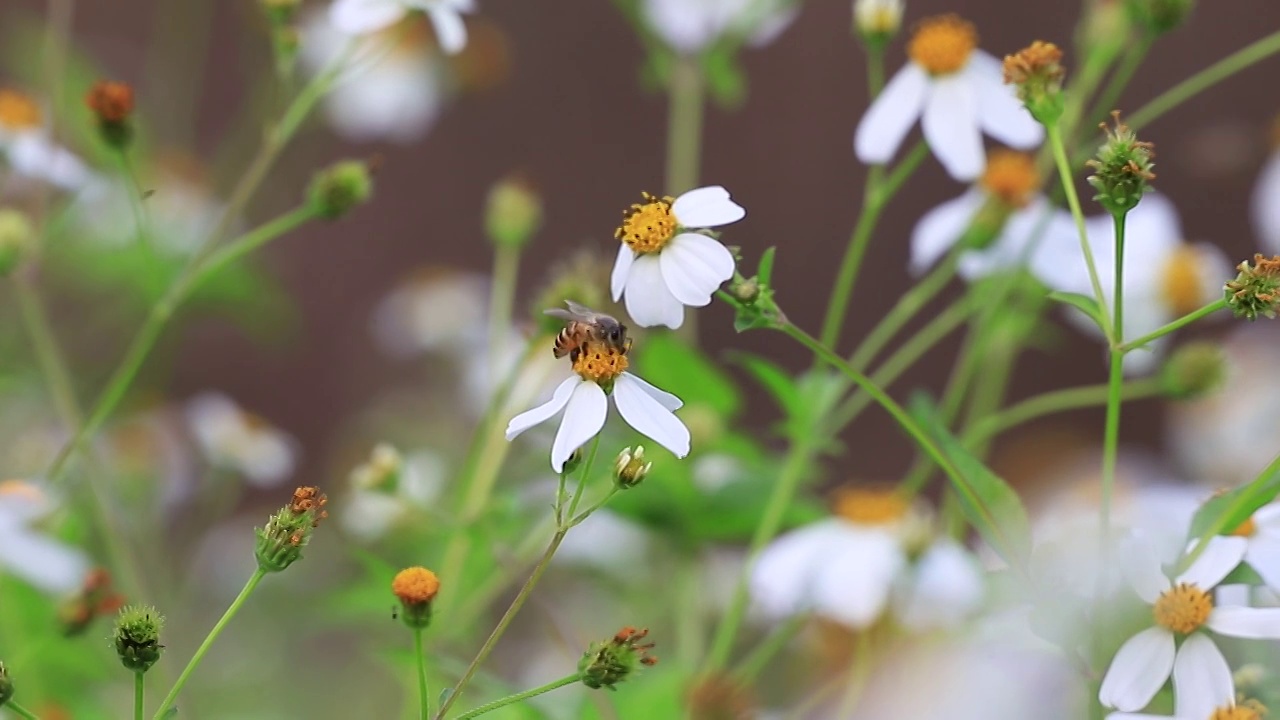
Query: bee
[587,325]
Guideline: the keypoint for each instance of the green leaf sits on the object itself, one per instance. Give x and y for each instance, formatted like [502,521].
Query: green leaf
[1083,303]
[1228,511]
[989,503]
[773,379]
[764,271]
[170,714]
[681,369]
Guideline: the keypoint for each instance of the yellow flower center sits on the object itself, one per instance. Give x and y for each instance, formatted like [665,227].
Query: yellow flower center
[871,507]
[942,44]
[600,363]
[1248,710]
[647,227]
[415,585]
[18,111]
[1011,177]
[1182,608]
[1246,529]
[1182,281]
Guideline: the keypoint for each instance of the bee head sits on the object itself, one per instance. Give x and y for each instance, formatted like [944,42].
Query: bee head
[617,333]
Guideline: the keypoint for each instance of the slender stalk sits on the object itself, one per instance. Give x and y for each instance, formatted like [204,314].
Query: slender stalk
[875,68]
[1181,322]
[208,642]
[510,699]
[502,293]
[424,703]
[690,636]
[138,694]
[859,671]
[1055,402]
[137,196]
[684,126]
[917,298]
[577,519]
[13,707]
[758,659]
[1115,387]
[1073,201]
[247,243]
[1124,72]
[48,356]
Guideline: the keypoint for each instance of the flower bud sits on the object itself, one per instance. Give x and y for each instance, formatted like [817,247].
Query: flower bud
[1256,289]
[1122,168]
[416,587]
[1037,73]
[630,468]
[112,104]
[877,21]
[16,238]
[609,662]
[337,189]
[1160,16]
[281,12]
[281,541]
[137,637]
[1195,369]
[6,686]
[513,214]
[744,290]
[572,463]
[382,471]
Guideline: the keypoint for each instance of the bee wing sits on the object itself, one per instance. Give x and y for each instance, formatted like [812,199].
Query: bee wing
[576,311]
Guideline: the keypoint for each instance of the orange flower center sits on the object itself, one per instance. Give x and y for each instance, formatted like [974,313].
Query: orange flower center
[1182,608]
[1247,710]
[942,45]
[648,227]
[1246,529]
[871,507]
[415,585]
[600,363]
[1011,177]
[1182,282]
[18,111]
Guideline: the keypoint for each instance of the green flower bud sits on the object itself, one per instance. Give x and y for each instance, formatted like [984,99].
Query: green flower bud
[337,189]
[630,468]
[513,214]
[609,662]
[1256,289]
[583,278]
[1193,370]
[137,637]
[6,686]
[281,541]
[16,238]
[744,290]
[1036,71]
[1160,16]
[877,21]
[1122,169]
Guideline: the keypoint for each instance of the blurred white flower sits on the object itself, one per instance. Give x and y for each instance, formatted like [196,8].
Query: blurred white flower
[877,18]
[29,149]
[1265,204]
[940,590]
[239,441]
[390,489]
[1164,277]
[690,26]
[361,17]
[43,561]
[1182,606]
[435,311]
[1262,537]
[664,262]
[606,542]
[393,89]
[957,92]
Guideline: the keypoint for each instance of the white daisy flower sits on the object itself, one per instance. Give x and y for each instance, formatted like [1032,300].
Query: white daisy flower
[434,310]
[43,561]
[390,489]
[691,26]
[1164,277]
[1261,533]
[1007,193]
[601,373]
[394,88]
[1181,607]
[957,92]
[361,17]
[237,440]
[1203,687]
[26,144]
[666,261]
[1265,203]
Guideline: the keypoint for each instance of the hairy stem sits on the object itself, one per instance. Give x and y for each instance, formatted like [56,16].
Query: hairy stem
[510,699]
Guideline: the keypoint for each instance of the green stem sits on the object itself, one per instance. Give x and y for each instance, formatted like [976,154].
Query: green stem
[247,243]
[510,699]
[877,194]
[921,294]
[208,642]
[1205,79]
[577,519]
[688,593]
[859,671]
[684,126]
[758,659]
[1115,386]
[1183,321]
[875,68]
[20,711]
[502,293]
[1110,95]
[1055,402]
[582,486]
[138,695]
[1073,201]
[424,703]
[1083,84]
[137,196]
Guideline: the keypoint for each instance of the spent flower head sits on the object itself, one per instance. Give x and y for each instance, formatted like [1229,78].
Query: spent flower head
[16,238]
[1256,289]
[1036,71]
[1194,370]
[280,542]
[137,637]
[514,212]
[630,468]
[1122,168]
[608,662]
[112,105]
[416,588]
[339,188]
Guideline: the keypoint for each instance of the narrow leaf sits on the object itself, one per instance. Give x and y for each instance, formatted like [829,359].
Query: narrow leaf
[1083,303]
[1228,511]
[764,272]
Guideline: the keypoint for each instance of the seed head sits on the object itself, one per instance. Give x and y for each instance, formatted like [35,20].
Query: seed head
[1037,72]
[280,542]
[1122,168]
[609,662]
[1194,370]
[137,637]
[1256,289]
[416,587]
[514,212]
[337,189]
[112,105]
[630,468]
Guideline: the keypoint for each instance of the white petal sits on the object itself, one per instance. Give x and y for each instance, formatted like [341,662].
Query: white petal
[1142,716]
[1263,556]
[950,124]
[685,26]
[399,100]
[854,587]
[664,398]
[361,17]
[1267,518]
[1219,558]
[543,412]
[584,416]
[1201,678]
[621,270]
[45,563]
[1214,268]
[940,228]
[706,207]
[1265,204]
[945,589]
[1138,671]
[648,299]
[891,115]
[1000,113]
[450,30]
[35,156]
[646,414]
[694,266]
[782,578]
[1153,231]
[1141,566]
[1246,622]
